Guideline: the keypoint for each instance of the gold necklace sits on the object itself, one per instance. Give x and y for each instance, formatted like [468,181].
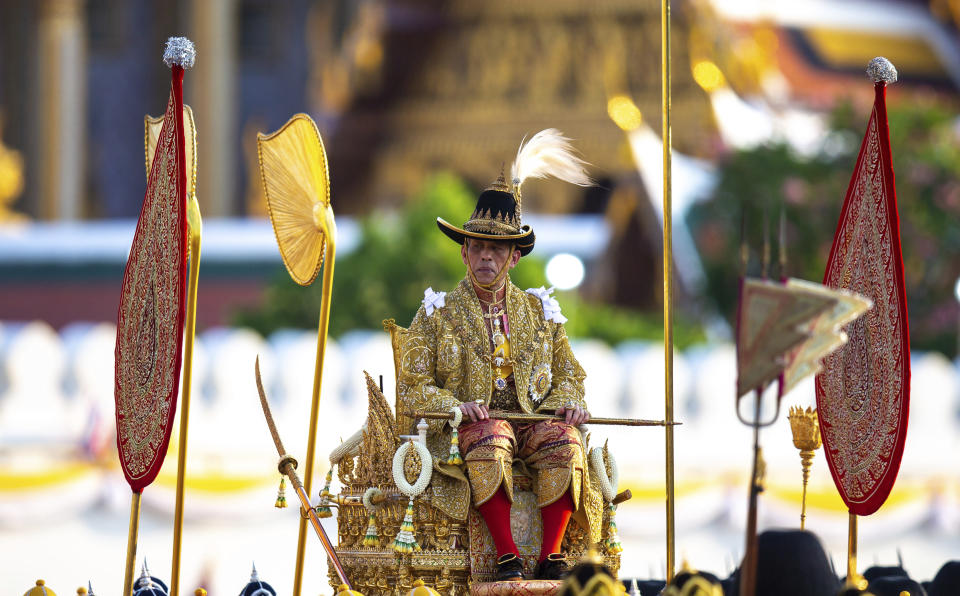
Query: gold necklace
[494,294]
[499,339]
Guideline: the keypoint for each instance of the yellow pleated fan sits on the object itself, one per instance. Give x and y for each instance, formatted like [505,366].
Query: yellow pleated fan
[296,183]
[151,132]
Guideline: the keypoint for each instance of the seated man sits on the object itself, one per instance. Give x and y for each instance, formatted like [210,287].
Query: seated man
[487,345]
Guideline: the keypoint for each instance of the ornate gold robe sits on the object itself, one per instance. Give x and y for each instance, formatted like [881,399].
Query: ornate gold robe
[444,360]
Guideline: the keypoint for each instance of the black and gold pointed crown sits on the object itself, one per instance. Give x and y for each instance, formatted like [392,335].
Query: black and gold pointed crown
[497,216]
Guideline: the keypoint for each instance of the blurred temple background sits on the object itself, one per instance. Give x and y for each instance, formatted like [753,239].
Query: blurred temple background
[420,103]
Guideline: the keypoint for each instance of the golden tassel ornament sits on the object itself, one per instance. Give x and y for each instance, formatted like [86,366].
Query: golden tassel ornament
[371,538]
[406,541]
[805,427]
[613,539]
[323,508]
[454,459]
[281,494]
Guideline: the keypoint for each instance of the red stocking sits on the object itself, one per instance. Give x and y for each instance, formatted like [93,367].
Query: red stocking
[555,517]
[496,512]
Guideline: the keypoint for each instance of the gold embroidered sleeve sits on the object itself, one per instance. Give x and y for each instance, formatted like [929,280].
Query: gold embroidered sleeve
[568,375]
[416,382]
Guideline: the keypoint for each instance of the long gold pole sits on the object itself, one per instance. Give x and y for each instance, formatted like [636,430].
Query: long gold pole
[806,460]
[852,549]
[329,256]
[667,281]
[196,229]
[132,543]
[748,570]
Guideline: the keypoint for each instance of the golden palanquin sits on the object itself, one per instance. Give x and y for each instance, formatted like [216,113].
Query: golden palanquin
[455,557]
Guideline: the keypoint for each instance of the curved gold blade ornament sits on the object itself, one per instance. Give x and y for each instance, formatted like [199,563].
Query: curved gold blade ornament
[296,183]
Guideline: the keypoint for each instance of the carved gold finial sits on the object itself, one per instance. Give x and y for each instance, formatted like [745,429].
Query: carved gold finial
[501,182]
[806,437]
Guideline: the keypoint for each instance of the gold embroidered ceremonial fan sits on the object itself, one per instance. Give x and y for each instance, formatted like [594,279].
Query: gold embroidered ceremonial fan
[296,182]
[863,393]
[151,314]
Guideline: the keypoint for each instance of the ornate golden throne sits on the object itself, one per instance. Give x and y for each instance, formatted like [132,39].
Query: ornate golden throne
[455,557]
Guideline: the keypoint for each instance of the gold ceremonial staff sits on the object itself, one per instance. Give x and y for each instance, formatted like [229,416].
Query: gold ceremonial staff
[515,417]
[152,128]
[195,225]
[667,280]
[296,183]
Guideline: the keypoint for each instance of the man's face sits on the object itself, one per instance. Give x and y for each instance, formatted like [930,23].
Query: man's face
[487,257]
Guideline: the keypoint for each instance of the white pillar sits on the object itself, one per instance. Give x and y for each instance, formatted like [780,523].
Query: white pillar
[211,90]
[62,94]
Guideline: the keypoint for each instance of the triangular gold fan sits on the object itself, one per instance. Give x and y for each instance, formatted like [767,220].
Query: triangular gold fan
[151,132]
[296,183]
[773,321]
[825,331]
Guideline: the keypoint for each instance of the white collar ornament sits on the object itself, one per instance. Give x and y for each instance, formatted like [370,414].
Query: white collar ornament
[551,308]
[433,300]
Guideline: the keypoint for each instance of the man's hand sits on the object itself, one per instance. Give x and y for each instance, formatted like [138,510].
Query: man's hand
[475,411]
[574,414]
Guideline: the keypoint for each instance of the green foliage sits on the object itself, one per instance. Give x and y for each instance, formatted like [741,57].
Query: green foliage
[400,254]
[926,159]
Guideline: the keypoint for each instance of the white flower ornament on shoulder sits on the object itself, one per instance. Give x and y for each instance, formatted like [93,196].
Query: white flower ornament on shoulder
[551,308]
[433,300]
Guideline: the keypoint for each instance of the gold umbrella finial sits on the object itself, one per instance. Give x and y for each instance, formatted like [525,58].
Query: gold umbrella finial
[805,427]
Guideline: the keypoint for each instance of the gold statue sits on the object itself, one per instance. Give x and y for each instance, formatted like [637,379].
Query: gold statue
[806,437]
[445,583]
[404,581]
[11,180]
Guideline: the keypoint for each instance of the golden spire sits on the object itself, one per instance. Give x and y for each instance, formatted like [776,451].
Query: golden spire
[501,182]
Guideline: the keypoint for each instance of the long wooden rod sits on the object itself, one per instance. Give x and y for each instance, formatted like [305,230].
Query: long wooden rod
[748,570]
[132,533]
[518,417]
[327,293]
[668,281]
[288,466]
[196,231]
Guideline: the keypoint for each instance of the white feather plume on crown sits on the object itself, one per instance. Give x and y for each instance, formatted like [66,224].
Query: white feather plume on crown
[549,153]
